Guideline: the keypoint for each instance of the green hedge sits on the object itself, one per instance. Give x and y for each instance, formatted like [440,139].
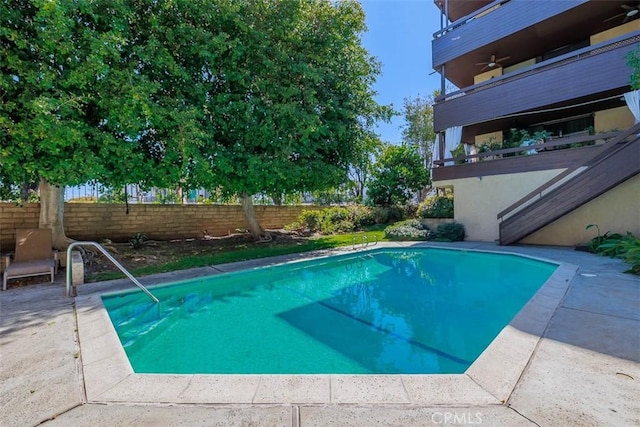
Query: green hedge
[436,207]
[345,219]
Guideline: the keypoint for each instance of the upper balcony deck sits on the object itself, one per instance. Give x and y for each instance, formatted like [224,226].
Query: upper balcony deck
[583,75]
[518,29]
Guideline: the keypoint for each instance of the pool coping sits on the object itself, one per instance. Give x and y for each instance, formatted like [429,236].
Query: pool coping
[108,376]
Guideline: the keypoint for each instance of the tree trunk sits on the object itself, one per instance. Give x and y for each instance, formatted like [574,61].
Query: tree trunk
[26,189]
[257,232]
[52,213]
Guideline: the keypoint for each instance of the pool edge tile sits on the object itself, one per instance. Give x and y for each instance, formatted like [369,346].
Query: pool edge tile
[220,389]
[148,388]
[306,389]
[356,389]
[446,389]
[96,336]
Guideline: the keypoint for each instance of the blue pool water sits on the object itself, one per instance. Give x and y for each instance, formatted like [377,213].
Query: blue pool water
[383,311]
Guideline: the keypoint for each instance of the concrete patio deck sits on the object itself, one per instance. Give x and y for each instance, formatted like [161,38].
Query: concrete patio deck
[581,367]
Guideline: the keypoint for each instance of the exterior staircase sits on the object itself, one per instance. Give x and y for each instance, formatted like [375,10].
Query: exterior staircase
[610,165]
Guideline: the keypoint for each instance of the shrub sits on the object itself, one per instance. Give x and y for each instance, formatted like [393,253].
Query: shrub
[137,240]
[335,219]
[386,215]
[411,229]
[615,245]
[451,232]
[310,220]
[361,216]
[436,207]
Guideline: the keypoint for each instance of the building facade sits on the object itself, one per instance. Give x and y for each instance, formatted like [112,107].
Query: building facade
[551,76]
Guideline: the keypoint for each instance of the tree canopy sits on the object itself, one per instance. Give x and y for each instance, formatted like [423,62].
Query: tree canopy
[245,96]
[397,175]
[418,129]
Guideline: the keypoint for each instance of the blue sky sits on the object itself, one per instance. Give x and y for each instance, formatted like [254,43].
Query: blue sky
[400,33]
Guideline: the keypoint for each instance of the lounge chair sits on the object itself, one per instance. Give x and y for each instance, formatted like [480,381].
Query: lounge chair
[33,256]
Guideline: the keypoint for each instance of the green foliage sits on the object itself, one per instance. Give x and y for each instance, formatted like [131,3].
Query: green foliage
[331,196]
[436,207]
[458,152]
[360,170]
[81,86]
[388,214]
[491,145]
[137,240]
[112,195]
[633,61]
[249,97]
[418,129]
[598,240]
[411,229]
[290,97]
[514,138]
[616,245]
[335,219]
[280,199]
[398,173]
[166,197]
[450,232]
[310,220]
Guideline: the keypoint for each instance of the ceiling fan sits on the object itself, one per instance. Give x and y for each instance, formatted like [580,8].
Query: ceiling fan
[492,62]
[629,13]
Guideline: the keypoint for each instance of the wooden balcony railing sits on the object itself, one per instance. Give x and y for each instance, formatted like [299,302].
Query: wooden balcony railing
[479,12]
[529,150]
[541,67]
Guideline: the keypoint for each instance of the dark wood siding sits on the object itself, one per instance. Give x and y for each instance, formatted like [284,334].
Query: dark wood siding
[582,77]
[508,19]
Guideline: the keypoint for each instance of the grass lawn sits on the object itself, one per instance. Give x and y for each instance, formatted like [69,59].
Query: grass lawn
[161,257]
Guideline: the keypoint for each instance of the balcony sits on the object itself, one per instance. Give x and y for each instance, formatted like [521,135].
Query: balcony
[488,25]
[519,29]
[559,153]
[584,75]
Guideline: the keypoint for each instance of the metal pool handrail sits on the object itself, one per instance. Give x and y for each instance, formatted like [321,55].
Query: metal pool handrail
[365,241]
[110,258]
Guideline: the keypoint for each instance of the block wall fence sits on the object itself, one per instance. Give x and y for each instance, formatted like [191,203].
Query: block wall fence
[98,221]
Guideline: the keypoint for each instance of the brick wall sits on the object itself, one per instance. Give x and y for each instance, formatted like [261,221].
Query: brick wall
[12,217]
[97,221]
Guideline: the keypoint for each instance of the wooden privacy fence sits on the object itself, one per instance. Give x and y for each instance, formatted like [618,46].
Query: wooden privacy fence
[97,221]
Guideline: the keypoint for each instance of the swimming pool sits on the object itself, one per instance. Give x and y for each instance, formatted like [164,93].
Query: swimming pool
[383,311]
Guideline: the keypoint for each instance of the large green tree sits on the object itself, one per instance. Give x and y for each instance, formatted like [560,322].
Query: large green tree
[291,99]
[90,92]
[397,175]
[244,96]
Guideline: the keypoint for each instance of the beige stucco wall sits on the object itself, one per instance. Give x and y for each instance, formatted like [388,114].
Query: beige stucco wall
[519,65]
[494,72]
[617,211]
[613,119]
[614,32]
[478,200]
